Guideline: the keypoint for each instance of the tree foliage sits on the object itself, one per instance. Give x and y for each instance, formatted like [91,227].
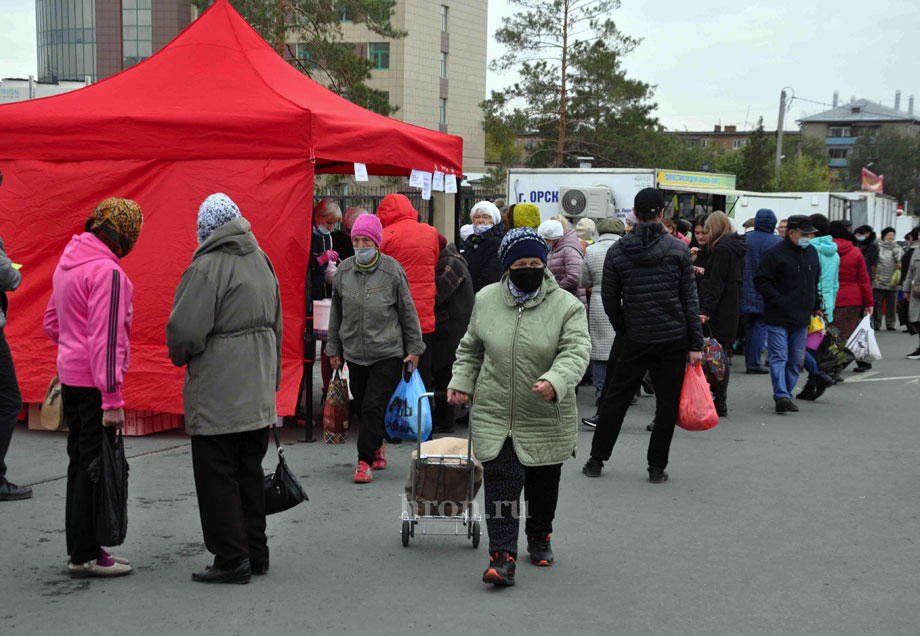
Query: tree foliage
[756,161]
[568,54]
[893,154]
[317,25]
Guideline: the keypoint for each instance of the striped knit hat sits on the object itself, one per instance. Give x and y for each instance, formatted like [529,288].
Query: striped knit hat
[521,242]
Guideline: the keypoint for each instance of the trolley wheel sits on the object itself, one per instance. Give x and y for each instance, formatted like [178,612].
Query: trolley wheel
[405,534]
[412,529]
[476,533]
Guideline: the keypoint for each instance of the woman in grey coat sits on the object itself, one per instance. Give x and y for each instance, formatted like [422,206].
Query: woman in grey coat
[373,326]
[602,332]
[225,328]
[884,293]
[912,280]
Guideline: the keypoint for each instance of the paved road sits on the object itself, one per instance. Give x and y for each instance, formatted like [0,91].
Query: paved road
[770,525]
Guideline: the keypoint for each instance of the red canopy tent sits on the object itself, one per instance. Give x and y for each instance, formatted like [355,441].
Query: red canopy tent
[217,110]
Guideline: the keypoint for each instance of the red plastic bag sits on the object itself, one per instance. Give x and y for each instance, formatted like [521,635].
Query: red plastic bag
[697,411]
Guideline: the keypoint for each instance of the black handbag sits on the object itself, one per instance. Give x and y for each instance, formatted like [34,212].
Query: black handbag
[282,490]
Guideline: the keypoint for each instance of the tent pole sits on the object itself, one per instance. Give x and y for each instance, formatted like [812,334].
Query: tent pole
[309,355]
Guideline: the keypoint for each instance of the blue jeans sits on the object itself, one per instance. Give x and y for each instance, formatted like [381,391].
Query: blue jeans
[787,350]
[755,338]
[811,365]
[598,376]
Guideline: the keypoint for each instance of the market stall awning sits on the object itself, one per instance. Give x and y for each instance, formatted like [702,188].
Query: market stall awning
[219,90]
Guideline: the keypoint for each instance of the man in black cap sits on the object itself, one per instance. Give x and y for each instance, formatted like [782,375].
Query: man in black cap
[787,278]
[649,294]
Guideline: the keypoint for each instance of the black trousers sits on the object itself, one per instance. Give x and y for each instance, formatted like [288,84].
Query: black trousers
[231,496]
[373,387]
[503,480]
[10,402]
[426,361]
[82,408]
[665,363]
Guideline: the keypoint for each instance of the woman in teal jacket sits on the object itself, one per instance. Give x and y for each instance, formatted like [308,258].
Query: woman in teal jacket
[818,382]
[526,348]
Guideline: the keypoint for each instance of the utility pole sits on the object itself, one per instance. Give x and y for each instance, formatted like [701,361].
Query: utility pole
[779,134]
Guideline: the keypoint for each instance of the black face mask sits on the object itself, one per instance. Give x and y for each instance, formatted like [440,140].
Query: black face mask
[527,279]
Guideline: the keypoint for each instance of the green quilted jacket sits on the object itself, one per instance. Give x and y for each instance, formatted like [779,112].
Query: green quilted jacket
[507,348]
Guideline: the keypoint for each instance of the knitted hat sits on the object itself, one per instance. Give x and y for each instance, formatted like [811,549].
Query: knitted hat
[551,230]
[368,225]
[525,215]
[217,210]
[584,229]
[611,226]
[117,222]
[631,217]
[489,208]
[522,242]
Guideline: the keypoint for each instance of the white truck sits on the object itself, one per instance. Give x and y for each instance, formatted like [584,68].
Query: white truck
[862,208]
[609,192]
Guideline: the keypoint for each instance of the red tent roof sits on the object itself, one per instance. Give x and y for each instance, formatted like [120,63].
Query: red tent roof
[219,91]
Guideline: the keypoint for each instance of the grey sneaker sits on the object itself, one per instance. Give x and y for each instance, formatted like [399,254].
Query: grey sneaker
[93,569]
[11,492]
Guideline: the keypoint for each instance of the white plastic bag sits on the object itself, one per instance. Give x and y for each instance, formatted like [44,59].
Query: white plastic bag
[862,343]
[345,376]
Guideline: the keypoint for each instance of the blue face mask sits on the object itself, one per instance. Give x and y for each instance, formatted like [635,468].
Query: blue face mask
[322,229]
[804,242]
[860,238]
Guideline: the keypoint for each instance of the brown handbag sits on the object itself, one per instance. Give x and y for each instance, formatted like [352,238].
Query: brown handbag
[52,418]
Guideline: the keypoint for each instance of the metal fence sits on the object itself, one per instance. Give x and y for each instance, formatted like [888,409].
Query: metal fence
[464,201]
[369,198]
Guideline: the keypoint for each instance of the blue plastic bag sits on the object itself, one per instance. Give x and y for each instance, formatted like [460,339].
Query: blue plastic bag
[401,418]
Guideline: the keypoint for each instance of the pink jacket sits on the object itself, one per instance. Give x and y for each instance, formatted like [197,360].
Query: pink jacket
[89,318]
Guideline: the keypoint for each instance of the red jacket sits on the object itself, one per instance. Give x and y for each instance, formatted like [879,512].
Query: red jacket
[415,246]
[855,288]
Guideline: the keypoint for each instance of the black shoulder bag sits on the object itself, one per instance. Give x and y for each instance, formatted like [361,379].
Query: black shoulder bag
[282,490]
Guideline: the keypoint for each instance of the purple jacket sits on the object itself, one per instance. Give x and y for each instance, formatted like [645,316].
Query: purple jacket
[565,261]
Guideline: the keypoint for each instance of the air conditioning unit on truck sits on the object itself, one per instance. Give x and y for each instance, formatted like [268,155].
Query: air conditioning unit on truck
[587,202]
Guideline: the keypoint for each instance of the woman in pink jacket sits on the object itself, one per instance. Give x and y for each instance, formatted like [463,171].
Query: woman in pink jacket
[566,257]
[89,319]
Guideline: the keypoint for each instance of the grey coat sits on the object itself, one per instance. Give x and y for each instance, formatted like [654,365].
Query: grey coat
[889,259]
[592,276]
[912,275]
[225,325]
[9,281]
[373,317]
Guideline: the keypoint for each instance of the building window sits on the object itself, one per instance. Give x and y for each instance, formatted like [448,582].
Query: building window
[866,131]
[444,12]
[136,31]
[838,153]
[66,39]
[303,55]
[838,131]
[379,53]
[442,110]
[345,14]
[738,143]
[706,142]
[444,65]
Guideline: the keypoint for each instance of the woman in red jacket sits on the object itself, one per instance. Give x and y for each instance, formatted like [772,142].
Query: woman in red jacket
[854,298]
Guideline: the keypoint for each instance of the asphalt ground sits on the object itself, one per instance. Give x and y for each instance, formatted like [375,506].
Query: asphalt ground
[770,525]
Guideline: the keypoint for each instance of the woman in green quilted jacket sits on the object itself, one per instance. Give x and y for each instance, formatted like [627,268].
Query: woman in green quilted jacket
[526,348]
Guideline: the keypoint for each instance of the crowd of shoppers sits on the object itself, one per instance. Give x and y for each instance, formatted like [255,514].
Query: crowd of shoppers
[509,322]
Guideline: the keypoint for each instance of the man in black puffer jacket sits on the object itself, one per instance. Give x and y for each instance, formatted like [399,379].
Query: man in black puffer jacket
[787,278]
[648,291]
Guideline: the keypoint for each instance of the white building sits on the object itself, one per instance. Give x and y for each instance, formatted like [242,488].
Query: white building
[19,90]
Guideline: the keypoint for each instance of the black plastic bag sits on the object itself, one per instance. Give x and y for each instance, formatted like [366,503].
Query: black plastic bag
[109,473]
[833,356]
[282,490]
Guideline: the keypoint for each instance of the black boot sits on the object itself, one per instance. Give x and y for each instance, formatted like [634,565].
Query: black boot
[501,570]
[807,393]
[590,421]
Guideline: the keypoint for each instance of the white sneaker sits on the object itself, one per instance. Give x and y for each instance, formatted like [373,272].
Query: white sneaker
[92,568]
[915,355]
[117,559]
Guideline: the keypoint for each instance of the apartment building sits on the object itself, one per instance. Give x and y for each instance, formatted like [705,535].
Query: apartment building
[79,39]
[840,127]
[436,75]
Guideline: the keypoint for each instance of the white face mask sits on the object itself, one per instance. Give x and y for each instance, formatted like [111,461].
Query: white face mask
[479,229]
[365,255]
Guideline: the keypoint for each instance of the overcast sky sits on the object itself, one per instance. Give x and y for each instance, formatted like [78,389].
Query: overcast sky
[713,61]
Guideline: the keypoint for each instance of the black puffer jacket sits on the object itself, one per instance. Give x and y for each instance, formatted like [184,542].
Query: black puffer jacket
[787,278]
[720,289]
[649,288]
[869,249]
[481,256]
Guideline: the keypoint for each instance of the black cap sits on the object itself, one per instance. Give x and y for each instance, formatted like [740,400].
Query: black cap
[802,223]
[649,199]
